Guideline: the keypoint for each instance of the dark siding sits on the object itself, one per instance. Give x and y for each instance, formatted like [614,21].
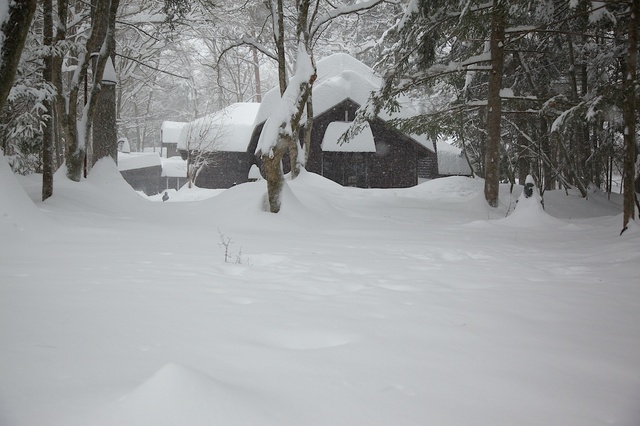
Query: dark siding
[146,179]
[172,149]
[344,109]
[427,166]
[347,168]
[397,163]
[225,169]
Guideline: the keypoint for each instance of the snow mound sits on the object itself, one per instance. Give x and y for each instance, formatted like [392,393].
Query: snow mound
[529,211]
[314,180]
[177,395]
[104,192]
[17,211]
[449,187]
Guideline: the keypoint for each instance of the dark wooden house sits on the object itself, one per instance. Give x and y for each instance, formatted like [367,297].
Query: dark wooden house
[141,170]
[392,159]
[381,157]
[221,143]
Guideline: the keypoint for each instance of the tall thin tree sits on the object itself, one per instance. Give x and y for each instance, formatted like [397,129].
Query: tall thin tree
[14,29]
[630,83]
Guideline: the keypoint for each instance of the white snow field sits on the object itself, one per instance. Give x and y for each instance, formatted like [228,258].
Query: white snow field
[418,306]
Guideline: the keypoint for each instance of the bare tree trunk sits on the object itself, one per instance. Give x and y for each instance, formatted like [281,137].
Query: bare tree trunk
[630,118]
[15,30]
[279,39]
[105,133]
[77,130]
[293,157]
[573,170]
[256,75]
[308,128]
[494,113]
[275,179]
[48,133]
[545,148]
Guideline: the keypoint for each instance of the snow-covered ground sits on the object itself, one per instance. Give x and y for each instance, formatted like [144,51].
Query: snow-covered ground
[416,306]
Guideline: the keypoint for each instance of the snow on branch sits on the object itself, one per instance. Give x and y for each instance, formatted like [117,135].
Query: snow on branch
[341,11]
[288,108]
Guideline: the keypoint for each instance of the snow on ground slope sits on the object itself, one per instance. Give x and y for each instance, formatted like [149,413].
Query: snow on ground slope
[350,307]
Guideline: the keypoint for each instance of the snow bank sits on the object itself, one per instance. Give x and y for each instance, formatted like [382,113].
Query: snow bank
[529,211]
[17,211]
[447,187]
[350,307]
[177,395]
[174,167]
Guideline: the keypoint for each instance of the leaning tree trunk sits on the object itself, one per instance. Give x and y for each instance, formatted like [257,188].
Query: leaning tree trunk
[630,118]
[494,107]
[15,29]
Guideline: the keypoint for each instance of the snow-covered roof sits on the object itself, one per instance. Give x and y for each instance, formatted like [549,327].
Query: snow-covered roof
[228,130]
[451,160]
[362,142]
[171,131]
[138,160]
[341,77]
[174,167]
[345,77]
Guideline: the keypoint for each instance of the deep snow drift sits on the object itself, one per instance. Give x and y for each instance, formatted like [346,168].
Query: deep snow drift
[418,306]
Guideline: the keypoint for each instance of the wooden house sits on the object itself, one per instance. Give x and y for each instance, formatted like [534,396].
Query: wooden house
[220,143]
[142,170]
[381,156]
[149,173]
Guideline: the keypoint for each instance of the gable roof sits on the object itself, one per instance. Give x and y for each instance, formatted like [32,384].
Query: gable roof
[227,130]
[340,77]
[345,77]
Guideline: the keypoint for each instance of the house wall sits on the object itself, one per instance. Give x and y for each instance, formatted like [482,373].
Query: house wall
[225,169]
[145,179]
[397,162]
[344,111]
[172,149]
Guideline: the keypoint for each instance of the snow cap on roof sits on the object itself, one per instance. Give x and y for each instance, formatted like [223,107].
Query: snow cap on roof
[451,160]
[171,131]
[362,142]
[138,160]
[174,167]
[345,77]
[226,130]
